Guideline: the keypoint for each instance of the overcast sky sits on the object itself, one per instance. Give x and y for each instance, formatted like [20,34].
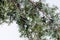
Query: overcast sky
[54,2]
[11,32]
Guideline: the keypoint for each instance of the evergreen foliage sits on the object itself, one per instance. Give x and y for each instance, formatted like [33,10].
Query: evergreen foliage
[27,15]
